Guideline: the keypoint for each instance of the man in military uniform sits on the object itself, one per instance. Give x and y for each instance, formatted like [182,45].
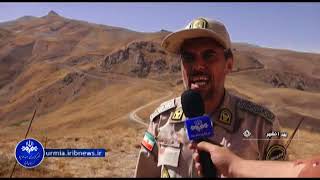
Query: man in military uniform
[240,125]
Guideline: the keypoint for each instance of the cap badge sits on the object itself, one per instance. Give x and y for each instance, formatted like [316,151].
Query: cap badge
[199,23]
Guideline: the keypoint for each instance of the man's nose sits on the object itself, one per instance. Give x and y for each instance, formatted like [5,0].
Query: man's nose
[199,63]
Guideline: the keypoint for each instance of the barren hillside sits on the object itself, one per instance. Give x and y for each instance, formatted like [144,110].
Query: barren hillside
[85,79]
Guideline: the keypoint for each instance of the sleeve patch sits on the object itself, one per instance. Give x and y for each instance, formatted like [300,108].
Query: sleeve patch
[148,141]
[276,152]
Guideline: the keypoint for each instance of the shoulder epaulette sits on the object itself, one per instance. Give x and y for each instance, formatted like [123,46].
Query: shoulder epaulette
[256,109]
[165,106]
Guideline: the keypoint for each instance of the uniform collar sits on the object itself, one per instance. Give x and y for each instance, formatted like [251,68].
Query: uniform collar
[223,116]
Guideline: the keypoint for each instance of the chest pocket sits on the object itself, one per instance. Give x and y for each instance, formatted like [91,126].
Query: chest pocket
[169,154]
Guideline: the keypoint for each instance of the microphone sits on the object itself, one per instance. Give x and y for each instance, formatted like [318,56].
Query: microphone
[199,127]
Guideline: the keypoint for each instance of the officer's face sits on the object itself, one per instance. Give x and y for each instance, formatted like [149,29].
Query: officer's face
[204,66]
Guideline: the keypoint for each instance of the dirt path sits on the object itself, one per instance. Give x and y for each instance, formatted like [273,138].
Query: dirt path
[131,115]
[246,70]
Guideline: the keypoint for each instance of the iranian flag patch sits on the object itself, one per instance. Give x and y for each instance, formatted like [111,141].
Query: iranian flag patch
[148,141]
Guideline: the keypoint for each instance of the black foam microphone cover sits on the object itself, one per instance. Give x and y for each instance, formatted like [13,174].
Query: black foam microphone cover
[192,104]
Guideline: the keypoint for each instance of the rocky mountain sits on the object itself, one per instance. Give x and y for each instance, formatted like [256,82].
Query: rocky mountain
[32,49]
[84,79]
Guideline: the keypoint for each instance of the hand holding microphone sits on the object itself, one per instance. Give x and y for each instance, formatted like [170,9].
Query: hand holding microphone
[224,160]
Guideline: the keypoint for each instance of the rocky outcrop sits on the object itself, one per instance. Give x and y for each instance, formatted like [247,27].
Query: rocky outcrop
[142,67]
[53,13]
[140,58]
[175,68]
[68,79]
[115,58]
[288,80]
[159,65]
[149,46]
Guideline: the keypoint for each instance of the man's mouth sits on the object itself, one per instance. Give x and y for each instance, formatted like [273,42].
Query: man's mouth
[199,81]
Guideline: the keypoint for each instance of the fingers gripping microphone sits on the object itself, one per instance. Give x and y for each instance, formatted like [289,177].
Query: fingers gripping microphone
[199,127]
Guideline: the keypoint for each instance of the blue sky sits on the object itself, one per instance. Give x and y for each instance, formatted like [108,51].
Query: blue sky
[293,26]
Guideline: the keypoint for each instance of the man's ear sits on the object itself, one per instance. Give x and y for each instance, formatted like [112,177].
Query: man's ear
[229,65]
